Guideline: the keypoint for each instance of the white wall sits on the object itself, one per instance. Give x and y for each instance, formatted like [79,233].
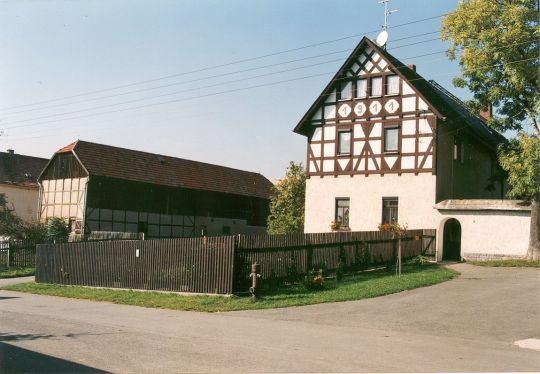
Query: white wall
[24,200]
[488,234]
[416,195]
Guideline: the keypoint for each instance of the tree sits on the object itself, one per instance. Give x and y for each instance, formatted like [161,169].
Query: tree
[14,227]
[497,44]
[287,202]
[57,229]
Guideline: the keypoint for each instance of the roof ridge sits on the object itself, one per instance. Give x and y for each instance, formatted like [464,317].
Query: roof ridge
[159,155]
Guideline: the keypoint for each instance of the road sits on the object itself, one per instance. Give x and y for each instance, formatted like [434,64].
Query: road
[467,324]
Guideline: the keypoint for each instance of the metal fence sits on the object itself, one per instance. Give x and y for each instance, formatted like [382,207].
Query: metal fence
[17,253]
[214,264]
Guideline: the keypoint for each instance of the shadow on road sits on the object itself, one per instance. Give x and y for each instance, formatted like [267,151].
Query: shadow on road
[18,360]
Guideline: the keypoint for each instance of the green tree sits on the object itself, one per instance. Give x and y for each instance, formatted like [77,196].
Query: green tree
[497,45]
[14,227]
[57,229]
[287,202]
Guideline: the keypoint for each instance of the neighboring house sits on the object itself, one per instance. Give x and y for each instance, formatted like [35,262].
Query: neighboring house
[385,145]
[18,183]
[103,188]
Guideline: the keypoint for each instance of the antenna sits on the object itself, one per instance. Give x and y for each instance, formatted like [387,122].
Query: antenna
[382,38]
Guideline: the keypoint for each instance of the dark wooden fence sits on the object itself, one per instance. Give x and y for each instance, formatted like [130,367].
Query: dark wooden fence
[215,264]
[184,265]
[18,253]
[288,256]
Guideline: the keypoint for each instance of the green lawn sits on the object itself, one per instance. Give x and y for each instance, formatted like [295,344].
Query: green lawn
[360,286]
[506,263]
[14,272]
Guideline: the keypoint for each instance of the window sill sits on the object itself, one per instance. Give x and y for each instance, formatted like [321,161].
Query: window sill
[391,152]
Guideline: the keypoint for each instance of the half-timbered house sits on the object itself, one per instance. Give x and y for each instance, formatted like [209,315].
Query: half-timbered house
[103,188]
[18,183]
[384,144]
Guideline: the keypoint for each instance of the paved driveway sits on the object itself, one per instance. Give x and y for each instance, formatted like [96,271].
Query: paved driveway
[468,324]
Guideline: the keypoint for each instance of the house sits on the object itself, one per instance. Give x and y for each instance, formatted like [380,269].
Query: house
[18,183]
[386,145]
[104,188]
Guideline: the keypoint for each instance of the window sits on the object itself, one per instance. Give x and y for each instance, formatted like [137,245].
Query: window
[459,150]
[392,85]
[389,209]
[391,136]
[346,91]
[342,211]
[376,86]
[344,142]
[361,88]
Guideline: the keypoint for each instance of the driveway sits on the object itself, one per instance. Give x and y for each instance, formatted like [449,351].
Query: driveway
[467,324]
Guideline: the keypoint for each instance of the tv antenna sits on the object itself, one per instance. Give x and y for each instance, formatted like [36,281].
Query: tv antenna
[382,38]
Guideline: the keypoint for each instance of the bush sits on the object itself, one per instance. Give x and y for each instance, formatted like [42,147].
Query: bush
[57,229]
[314,281]
[420,260]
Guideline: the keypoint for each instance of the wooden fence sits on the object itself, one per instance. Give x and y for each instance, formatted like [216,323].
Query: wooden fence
[215,264]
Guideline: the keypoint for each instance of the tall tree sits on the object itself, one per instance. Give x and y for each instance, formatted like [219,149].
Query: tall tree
[287,202]
[497,45]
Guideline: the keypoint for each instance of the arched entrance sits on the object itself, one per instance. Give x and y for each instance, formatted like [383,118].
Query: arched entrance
[452,240]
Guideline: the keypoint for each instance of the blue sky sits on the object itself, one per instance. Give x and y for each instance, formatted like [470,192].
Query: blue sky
[57,49]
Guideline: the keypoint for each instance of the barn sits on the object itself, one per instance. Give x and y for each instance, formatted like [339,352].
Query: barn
[98,187]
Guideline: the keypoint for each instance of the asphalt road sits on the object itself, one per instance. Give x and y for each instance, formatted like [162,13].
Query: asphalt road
[467,324]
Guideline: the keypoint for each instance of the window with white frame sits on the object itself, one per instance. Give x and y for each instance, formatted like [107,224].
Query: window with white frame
[376,86]
[346,91]
[392,85]
[391,139]
[342,211]
[389,209]
[344,142]
[361,88]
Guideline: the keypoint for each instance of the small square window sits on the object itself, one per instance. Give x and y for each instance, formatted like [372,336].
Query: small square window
[346,91]
[392,85]
[342,211]
[391,137]
[344,142]
[361,88]
[376,86]
[459,150]
[389,210]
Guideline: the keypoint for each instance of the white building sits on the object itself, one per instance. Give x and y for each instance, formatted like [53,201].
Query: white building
[384,144]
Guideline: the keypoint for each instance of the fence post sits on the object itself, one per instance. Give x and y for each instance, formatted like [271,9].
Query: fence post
[309,257]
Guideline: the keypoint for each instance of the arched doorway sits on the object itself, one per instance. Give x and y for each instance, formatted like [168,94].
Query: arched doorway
[452,240]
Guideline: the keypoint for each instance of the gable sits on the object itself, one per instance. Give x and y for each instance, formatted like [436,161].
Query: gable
[366,63]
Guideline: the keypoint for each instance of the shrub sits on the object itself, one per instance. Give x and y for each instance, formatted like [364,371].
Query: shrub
[420,260]
[314,280]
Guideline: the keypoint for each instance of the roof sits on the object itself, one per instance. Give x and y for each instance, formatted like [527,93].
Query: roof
[442,102]
[127,164]
[483,204]
[20,169]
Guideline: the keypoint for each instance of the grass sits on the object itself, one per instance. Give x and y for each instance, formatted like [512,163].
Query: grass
[356,287]
[14,272]
[506,263]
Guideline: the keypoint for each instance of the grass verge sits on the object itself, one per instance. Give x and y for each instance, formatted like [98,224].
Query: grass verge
[355,287]
[506,263]
[14,272]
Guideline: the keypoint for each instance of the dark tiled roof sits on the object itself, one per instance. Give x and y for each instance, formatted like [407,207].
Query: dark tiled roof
[19,169]
[441,101]
[107,161]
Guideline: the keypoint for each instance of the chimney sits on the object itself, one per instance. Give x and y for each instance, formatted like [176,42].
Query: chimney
[412,67]
[11,151]
[487,112]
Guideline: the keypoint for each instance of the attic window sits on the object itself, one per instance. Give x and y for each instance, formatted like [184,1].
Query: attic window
[346,91]
[376,86]
[392,85]
[361,88]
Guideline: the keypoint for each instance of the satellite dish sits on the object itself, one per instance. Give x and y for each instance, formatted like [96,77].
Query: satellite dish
[382,38]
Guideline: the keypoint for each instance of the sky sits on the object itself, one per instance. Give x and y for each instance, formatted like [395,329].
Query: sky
[223,82]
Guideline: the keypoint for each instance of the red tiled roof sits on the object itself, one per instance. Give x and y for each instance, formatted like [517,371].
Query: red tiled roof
[67,148]
[108,161]
[20,169]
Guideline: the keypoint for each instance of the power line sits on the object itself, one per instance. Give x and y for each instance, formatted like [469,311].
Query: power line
[236,90]
[222,65]
[168,94]
[210,77]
